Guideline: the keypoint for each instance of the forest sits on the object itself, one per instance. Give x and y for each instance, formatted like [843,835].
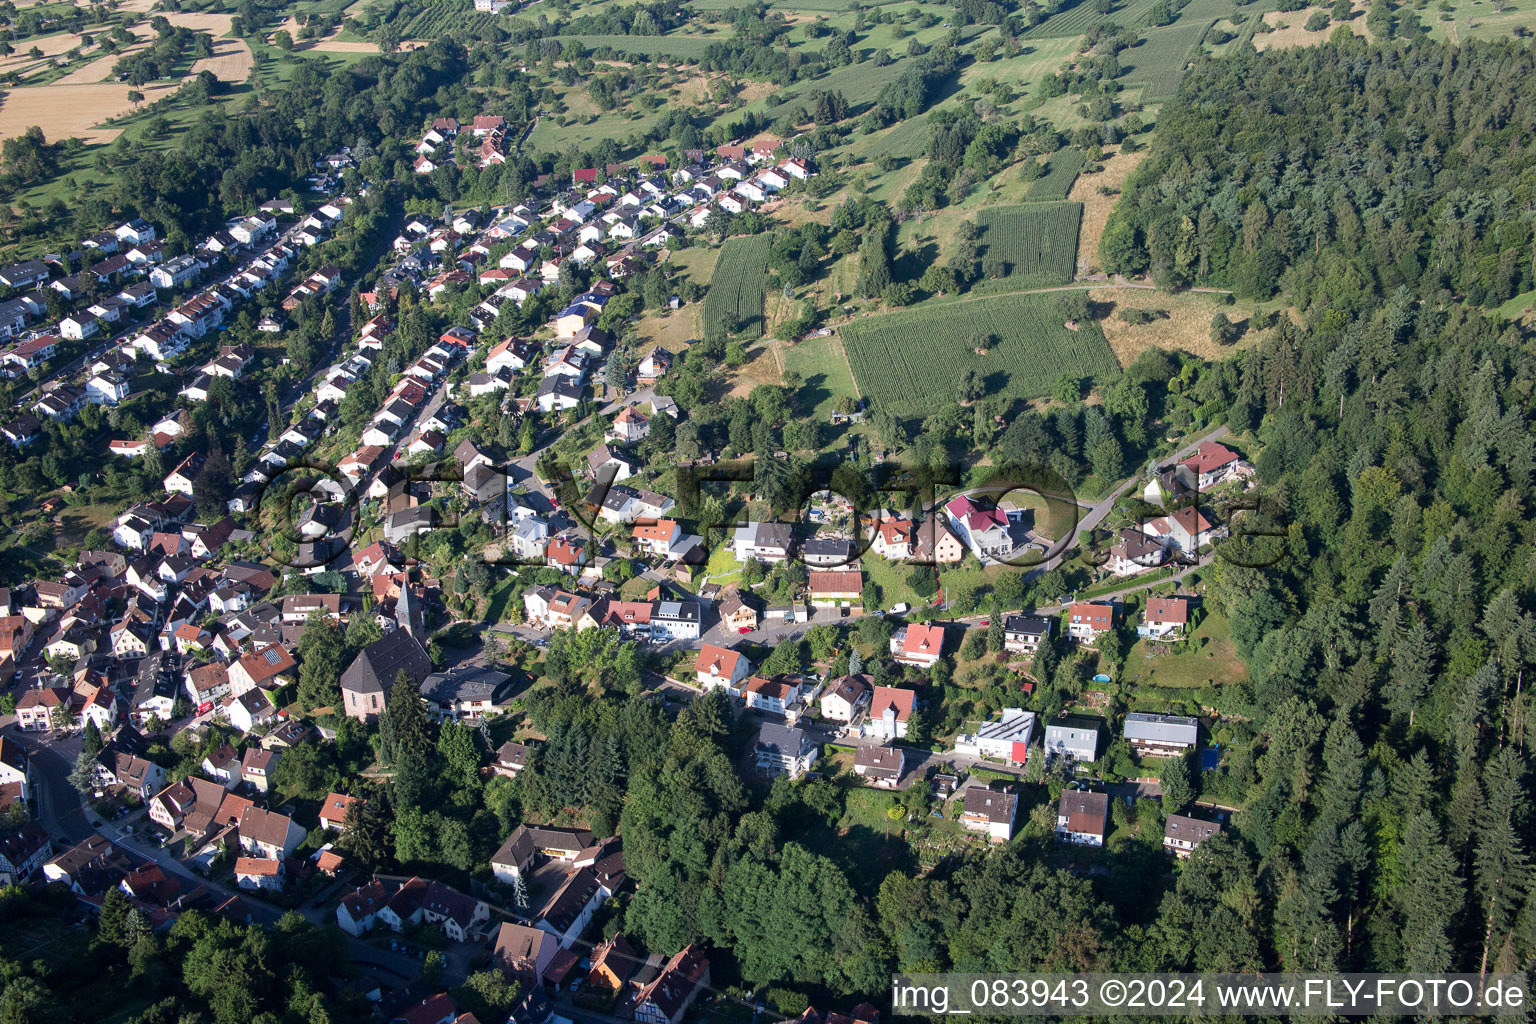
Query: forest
[1338,174]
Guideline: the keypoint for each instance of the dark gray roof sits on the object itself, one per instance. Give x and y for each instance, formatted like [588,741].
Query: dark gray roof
[467,682]
[787,740]
[374,669]
[826,547]
[1028,624]
[1165,728]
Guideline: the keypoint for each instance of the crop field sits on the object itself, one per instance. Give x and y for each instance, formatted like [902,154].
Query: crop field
[737,288]
[72,110]
[442,18]
[686,47]
[1079,18]
[909,362]
[1158,63]
[1060,172]
[1037,241]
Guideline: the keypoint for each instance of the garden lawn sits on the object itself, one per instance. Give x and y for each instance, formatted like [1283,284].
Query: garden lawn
[1214,663]
[823,368]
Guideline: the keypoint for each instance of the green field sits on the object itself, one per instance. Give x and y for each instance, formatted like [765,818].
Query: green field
[442,18]
[1036,241]
[906,139]
[824,369]
[909,362]
[828,6]
[737,288]
[1079,18]
[688,47]
[1158,63]
[1061,170]
[859,84]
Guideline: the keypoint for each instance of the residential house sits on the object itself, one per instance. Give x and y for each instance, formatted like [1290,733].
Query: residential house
[511,758]
[24,848]
[765,542]
[1182,835]
[358,910]
[658,539]
[675,620]
[736,612]
[1161,735]
[919,644]
[1086,620]
[269,834]
[256,766]
[1022,634]
[1165,618]
[1006,739]
[524,952]
[716,666]
[990,812]
[843,698]
[266,668]
[881,766]
[466,692]
[569,909]
[223,765]
[629,427]
[259,873]
[1212,463]
[980,525]
[333,812]
[458,913]
[890,710]
[1134,552]
[1073,736]
[15,771]
[772,695]
[1083,817]
[664,999]
[1187,529]
[784,750]
[842,588]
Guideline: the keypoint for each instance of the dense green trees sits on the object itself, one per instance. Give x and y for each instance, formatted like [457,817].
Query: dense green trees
[1266,176]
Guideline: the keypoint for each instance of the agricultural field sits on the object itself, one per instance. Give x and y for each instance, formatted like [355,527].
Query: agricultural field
[1079,18]
[1036,241]
[737,287]
[1158,64]
[1061,170]
[442,18]
[909,362]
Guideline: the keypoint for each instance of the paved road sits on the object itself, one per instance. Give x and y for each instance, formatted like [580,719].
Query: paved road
[58,805]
